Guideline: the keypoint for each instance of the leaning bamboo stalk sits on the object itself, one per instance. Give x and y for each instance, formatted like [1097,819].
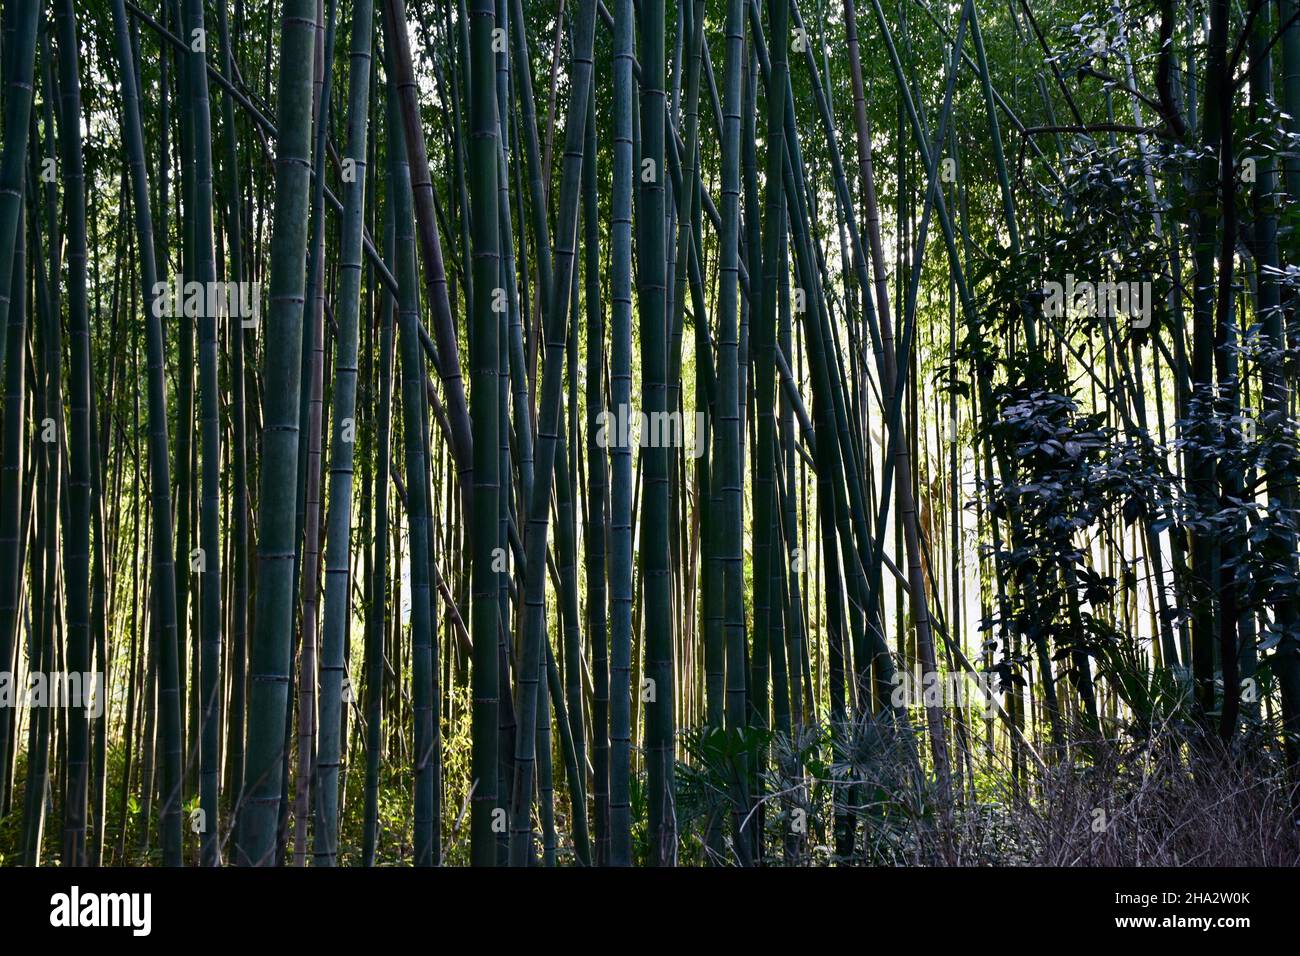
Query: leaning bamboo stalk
[435,278]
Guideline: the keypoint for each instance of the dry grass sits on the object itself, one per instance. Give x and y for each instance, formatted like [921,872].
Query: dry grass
[1171,800]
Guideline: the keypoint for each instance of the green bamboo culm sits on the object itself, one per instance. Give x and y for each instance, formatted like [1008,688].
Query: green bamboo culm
[658,691]
[412,366]
[16,219]
[164,570]
[77,533]
[764,341]
[727,530]
[338,553]
[21,16]
[485,418]
[376,618]
[620,454]
[41,649]
[19,67]
[187,689]
[548,447]
[208,561]
[239,481]
[269,657]
[595,514]
[532,706]
[311,402]
[510,351]
[14,519]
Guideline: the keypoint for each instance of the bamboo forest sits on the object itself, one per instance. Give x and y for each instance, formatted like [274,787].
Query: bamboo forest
[651,433]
